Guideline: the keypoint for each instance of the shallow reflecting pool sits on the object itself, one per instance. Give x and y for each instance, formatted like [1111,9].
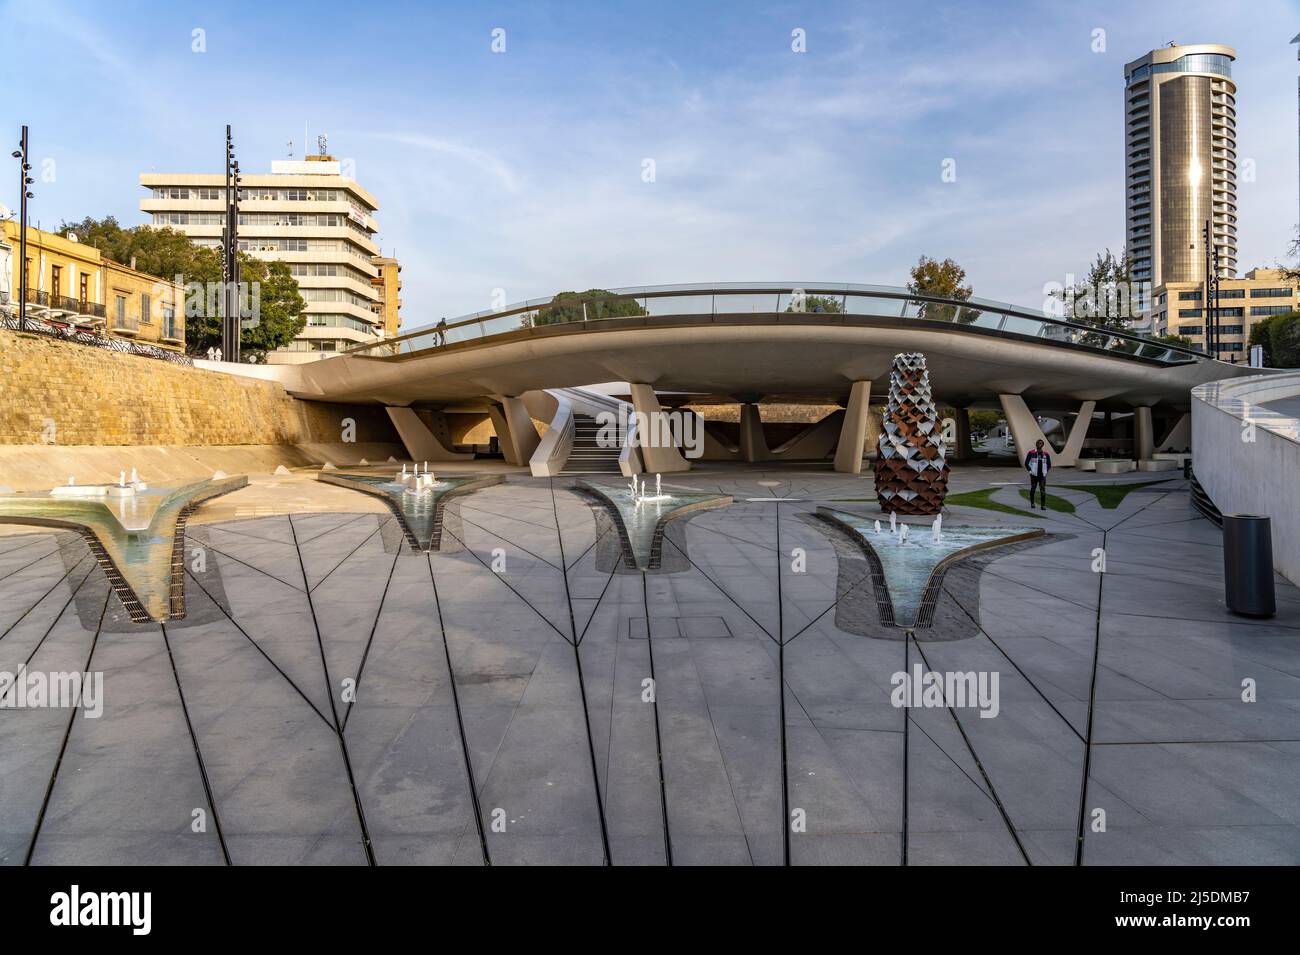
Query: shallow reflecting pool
[419,507]
[909,561]
[643,516]
[136,536]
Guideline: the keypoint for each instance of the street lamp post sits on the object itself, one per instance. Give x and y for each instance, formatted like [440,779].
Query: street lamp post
[230,258]
[24,180]
[1210,304]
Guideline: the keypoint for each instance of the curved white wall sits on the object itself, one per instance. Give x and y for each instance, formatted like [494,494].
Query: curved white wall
[1248,458]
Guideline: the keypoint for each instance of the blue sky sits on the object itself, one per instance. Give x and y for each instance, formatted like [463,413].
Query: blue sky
[523,170]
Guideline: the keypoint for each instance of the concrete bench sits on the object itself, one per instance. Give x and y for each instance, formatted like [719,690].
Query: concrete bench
[1160,464]
[1114,465]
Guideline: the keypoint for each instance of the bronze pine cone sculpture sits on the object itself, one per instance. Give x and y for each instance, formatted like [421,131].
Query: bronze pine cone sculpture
[911,469]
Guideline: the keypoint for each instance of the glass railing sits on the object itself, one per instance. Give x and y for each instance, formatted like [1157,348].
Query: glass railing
[817,302]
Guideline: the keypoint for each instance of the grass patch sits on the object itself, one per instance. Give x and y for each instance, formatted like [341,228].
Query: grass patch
[1054,503]
[984,499]
[1108,495]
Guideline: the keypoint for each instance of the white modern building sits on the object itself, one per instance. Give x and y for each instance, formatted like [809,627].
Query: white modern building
[1180,158]
[305,213]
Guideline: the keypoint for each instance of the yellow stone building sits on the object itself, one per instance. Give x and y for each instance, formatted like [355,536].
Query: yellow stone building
[1261,294]
[388,284]
[71,285]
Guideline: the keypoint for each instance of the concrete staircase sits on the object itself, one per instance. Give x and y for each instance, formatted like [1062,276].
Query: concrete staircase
[587,457]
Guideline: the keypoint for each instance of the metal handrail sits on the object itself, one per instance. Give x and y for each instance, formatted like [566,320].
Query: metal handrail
[1071,331]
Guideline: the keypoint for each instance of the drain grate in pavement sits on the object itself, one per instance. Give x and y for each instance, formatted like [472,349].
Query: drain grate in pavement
[693,628]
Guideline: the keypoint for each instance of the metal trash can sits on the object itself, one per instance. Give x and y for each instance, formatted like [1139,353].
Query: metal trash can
[1248,565]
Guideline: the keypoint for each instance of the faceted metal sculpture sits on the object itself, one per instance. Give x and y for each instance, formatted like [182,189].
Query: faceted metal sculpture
[911,470]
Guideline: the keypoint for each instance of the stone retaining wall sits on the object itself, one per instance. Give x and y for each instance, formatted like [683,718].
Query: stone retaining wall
[54,392]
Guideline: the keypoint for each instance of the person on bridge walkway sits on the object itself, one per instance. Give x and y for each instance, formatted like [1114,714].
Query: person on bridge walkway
[1038,462]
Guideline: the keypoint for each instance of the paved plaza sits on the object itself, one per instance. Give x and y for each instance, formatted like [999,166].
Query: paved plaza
[520,696]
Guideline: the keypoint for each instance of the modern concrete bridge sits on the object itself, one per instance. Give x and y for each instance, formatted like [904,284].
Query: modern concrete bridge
[748,341]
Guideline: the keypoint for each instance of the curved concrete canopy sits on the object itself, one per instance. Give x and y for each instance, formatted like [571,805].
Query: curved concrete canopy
[764,353]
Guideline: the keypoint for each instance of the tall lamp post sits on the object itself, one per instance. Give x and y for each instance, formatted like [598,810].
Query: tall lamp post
[24,180]
[230,258]
[1211,303]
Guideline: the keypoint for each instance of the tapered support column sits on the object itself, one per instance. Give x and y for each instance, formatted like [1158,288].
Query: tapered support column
[1024,428]
[658,453]
[853,433]
[421,443]
[515,431]
[753,443]
[964,452]
[1179,436]
[1144,446]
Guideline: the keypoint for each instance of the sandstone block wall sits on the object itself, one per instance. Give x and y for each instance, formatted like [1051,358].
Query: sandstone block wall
[54,392]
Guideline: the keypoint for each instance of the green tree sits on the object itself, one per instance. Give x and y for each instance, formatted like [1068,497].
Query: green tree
[1107,297]
[169,254]
[818,303]
[280,316]
[1280,336]
[944,279]
[589,305]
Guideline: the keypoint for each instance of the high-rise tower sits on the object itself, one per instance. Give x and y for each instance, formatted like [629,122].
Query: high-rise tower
[1180,161]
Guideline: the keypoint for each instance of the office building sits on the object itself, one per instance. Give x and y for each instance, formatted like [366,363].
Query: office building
[305,213]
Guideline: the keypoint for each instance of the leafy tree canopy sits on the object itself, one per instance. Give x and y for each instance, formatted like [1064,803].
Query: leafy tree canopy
[599,303]
[944,279]
[818,303]
[171,255]
[1280,336]
[1107,297]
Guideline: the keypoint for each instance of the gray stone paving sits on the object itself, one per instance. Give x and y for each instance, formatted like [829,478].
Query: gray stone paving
[333,698]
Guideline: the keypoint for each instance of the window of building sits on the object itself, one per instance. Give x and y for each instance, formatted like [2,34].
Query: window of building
[120,301]
[1189,329]
[1270,309]
[1190,296]
[146,315]
[1189,313]
[1270,293]
[1232,293]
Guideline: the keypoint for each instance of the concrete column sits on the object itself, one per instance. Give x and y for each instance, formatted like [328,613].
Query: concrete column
[964,452]
[421,443]
[853,433]
[658,456]
[1179,436]
[1143,439]
[515,431]
[1024,428]
[753,443]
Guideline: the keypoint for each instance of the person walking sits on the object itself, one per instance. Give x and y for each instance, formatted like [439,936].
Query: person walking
[1038,462]
[441,330]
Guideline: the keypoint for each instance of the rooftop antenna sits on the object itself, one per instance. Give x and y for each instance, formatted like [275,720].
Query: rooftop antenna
[323,144]
[291,149]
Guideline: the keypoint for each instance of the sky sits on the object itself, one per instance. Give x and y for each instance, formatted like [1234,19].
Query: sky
[526,170]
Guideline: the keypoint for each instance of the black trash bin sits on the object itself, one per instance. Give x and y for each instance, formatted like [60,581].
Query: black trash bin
[1248,564]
